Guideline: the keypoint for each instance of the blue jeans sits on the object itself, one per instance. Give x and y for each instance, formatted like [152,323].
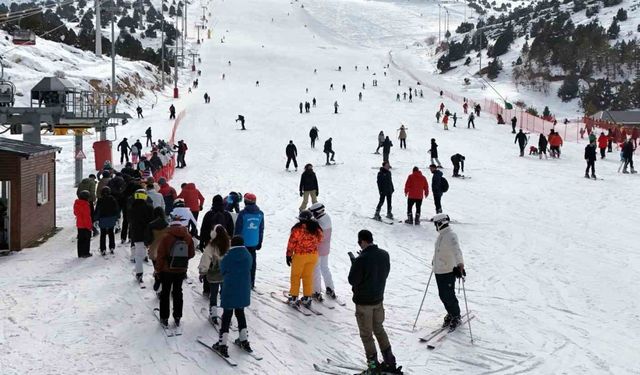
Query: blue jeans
[213,293]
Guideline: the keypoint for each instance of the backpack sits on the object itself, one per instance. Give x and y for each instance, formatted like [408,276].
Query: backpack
[445,184]
[179,256]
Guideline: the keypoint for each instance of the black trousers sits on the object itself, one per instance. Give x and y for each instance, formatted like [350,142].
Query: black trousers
[172,115]
[447,292]
[436,200]
[252,251]
[627,162]
[103,238]
[124,156]
[313,142]
[470,123]
[227,314]
[290,159]
[403,143]
[591,164]
[332,155]
[513,128]
[456,169]
[125,225]
[84,241]
[521,145]
[171,284]
[602,153]
[385,156]
[610,146]
[410,203]
[149,141]
[383,197]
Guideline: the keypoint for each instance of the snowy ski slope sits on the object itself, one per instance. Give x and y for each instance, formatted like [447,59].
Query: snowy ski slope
[550,256]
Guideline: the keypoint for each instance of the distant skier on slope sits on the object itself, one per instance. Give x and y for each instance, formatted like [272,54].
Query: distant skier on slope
[380,141]
[415,189]
[439,186]
[313,134]
[433,152]
[292,153]
[402,136]
[590,155]
[172,112]
[521,139]
[308,186]
[328,150]
[386,149]
[458,161]
[241,119]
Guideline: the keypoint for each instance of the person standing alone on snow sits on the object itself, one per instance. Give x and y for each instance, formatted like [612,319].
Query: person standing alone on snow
[322,270]
[385,189]
[308,187]
[250,225]
[402,136]
[414,189]
[521,139]
[447,265]
[433,151]
[302,256]
[368,278]
[386,149]
[313,134]
[590,155]
[380,141]
[84,224]
[172,112]
[292,153]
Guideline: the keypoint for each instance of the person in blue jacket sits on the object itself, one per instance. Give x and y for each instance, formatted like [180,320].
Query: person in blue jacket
[235,295]
[437,186]
[250,225]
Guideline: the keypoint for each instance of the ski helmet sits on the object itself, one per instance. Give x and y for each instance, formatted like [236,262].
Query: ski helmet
[441,221]
[317,209]
[249,198]
[305,215]
[140,194]
[179,202]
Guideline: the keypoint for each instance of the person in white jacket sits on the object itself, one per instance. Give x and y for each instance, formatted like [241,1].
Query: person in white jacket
[184,216]
[322,270]
[209,267]
[447,266]
[157,200]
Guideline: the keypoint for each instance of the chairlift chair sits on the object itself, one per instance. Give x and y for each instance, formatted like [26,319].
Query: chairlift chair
[24,37]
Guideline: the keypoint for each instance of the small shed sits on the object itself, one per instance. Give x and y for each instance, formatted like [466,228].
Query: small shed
[27,193]
[622,118]
[51,91]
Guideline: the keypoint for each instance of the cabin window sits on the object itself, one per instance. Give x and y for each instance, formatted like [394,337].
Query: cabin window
[42,188]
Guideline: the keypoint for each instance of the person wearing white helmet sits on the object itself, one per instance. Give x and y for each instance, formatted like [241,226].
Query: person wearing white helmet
[448,265]
[321,270]
[183,214]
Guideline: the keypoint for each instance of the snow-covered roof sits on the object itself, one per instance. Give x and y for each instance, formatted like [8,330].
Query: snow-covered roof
[25,149]
[619,117]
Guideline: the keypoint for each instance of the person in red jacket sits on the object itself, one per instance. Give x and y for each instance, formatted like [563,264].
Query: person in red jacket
[82,211]
[603,141]
[192,199]
[415,189]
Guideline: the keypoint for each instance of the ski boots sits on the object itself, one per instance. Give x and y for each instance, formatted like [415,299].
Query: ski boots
[305,302]
[222,349]
[390,369]
[139,277]
[586,175]
[594,176]
[377,216]
[111,250]
[317,296]
[244,345]
[373,367]
[455,322]
[165,323]
[389,216]
[329,292]
[409,219]
[103,252]
[417,220]
[447,321]
[292,300]
[177,321]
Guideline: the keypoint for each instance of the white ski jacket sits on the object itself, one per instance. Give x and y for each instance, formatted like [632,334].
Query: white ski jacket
[447,252]
[325,246]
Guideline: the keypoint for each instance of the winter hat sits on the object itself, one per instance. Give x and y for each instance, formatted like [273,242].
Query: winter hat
[84,195]
[106,174]
[305,215]
[140,194]
[217,200]
[162,181]
[249,198]
[317,209]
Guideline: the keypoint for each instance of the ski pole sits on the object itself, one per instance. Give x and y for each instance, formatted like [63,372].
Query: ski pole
[467,307]
[421,303]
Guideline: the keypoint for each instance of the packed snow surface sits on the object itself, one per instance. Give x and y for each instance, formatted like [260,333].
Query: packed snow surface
[550,255]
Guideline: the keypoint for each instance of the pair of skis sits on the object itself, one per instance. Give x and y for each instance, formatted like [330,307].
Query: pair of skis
[306,311]
[229,360]
[330,366]
[169,331]
[437,336]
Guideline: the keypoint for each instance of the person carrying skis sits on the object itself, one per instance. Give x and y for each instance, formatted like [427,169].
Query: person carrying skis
[368,278]
[448,265]
[385,189]
[250,225]
[522,140]
[602,144]
[172,112]
[147,133]
[292,152]
[84,224]
[590,157]
[139,112]
[402,136]
[386,149]
[433,151]
[172,261]
[458,161]
[439,186]
[216,247]
[140,215]
[308,187]
[235,295]
[380,141]
[106,213]
[124,149]
[241,119]
[302,256]
[328,149]
[514,122]
[542,146]
[313,134]
[321,270]
[415,188]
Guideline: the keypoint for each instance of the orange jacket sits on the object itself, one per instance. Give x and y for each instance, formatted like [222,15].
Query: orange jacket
[445,120]
[192,197]
[303,242]
[555,140]
[83,214]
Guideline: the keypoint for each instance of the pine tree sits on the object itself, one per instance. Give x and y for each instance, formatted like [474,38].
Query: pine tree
[613,30]
[569,89]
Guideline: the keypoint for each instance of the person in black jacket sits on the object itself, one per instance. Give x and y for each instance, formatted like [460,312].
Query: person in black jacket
[590,156]
[433,151]
[521,139]
[385,189]
[124,149]
[368,277]
[155,162]
[140,215]
[313,134]
[542,146]
[627,155]
[292,153]
[217,215]
[172,112]
[328,149]
[126,199]
[308,187]
[386,149]
[106,214]
[153,230]
[436,187]
[458,161]
[514,122]
[149,136]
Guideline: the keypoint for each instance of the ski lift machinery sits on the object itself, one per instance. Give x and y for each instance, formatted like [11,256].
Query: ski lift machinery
[7,89]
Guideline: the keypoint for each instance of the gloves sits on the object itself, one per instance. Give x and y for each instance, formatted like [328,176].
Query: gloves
[301,193]
[459,272]
[202,278]
[288,261]
[317,193]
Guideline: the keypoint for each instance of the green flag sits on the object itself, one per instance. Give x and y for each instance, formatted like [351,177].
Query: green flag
[507,105]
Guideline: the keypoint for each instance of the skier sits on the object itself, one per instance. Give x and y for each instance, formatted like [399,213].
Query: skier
[368,277]
[458,161]
[241,119]
[448,265]
[232,203]
[590,157]
[182,150]
[542,146]
[84,224]
[139,112]
[149,137]
[445,122]
[322,271]
[124,149]
[514,122]
[292,152]
[627,155]
[172,112]
[471,122]
[207,98]
[250,225]
[360,96]
[313,134]
[344,88]
[135,153]
[439,186]
[313,102]
[433,151]
[441,107]
[386,149]
[402,136]
[555,141]
[397,97]
[157,200]
[328,149]
[335,107]
[438,117]
[172,261]
[477,110]
[140,215]
[209,268]
[465,107]
[602,144]
[414,188]
[331,87]
[610,139]
[455,119]
[302,256]
[308,186]
[500,119]
[307,107]
[300,106]
[521,139]
[184,215]
[385,190]
[380,141]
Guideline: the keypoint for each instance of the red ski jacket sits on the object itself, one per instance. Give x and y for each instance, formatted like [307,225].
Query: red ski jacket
[416,186]
[192,197]
[83,214]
